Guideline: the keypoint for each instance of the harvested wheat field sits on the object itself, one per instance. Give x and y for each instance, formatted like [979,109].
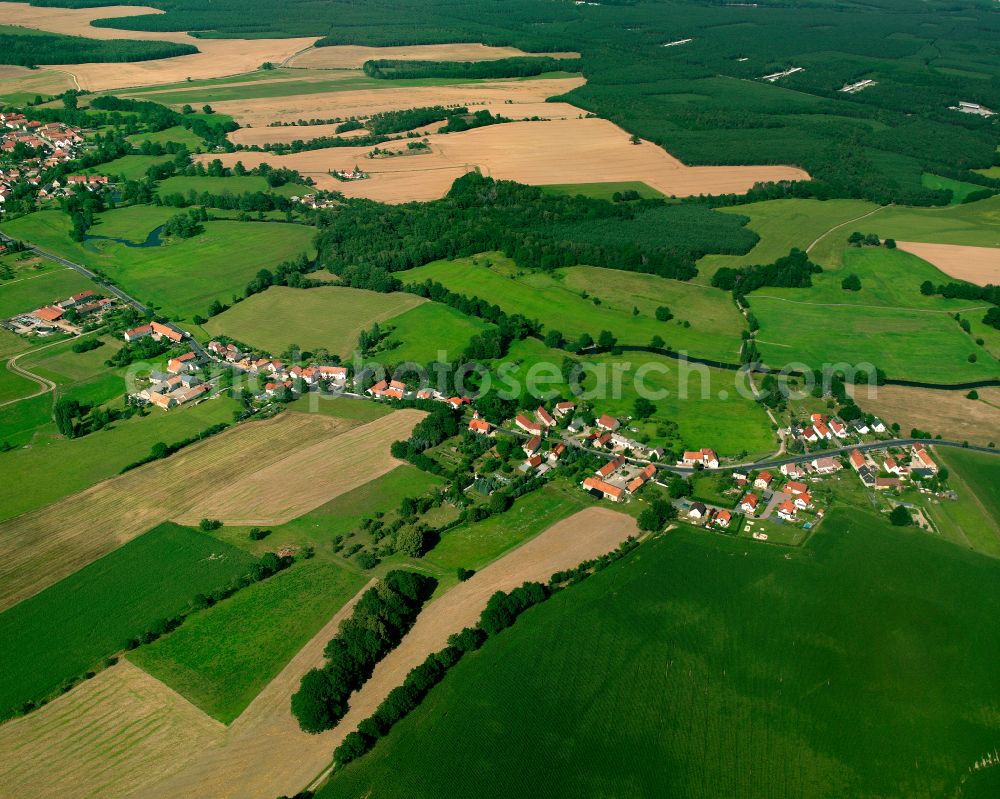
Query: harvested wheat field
[97,740]
[979,265]
[261,111]
[40,548]
[265,753]
[353,56]
[217,57]
[309,476]
[538,153]
[289,133]
[33,81]
[948,413]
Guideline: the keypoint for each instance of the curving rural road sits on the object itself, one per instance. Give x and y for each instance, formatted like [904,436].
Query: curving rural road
[45,385]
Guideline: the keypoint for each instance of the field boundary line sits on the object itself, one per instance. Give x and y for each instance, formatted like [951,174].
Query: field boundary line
[848,222]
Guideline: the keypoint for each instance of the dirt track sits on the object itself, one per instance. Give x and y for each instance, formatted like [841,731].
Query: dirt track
[979,265]
[558,151]
[265,753]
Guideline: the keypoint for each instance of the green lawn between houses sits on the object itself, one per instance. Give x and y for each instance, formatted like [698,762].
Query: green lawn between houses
[71,626]
[182,277]
[888,323]
[221,658]
[564,301]
[704,665]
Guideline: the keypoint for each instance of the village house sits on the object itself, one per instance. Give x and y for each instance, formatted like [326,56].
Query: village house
[825,465]
[749,504]
[606,490]
[555,453]
[457,402]
[533,462]
[793,488]
[563,408]
[792,470]
[532,445]
[50,313]
[188,362]
[527,425]
[802,501]
[763,481]
[857,459]
[878,425]
[608,423]
[885,483]
[479,425]
[388,389]
[641,479]
[723,518]
[697,510]
[138,332]
[838,428]
[544,417]
[867,476]
[922,459]
[787,510]
[706,457]
[610,467]
[270,389]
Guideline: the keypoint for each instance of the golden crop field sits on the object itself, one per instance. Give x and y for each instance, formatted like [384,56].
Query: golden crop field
[979,265]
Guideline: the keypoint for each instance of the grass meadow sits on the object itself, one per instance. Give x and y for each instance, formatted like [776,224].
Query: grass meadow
[175,134]
[705,665]
[130,167]
[782,225]
[888,322]
[237,184]
[424,331]
[974,520]
[328,317]
[960,189]
[472,546]
[71,626]
[181,278]
[30,291]
[71,465]
[565,301]
[221,658]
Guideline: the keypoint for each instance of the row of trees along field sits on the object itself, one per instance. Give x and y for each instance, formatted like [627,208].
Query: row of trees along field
[518,67]
[537,230]
[381,617]
[30,50]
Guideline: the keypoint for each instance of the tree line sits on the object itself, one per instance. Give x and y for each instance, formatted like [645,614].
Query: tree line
[517,67]
[381,617]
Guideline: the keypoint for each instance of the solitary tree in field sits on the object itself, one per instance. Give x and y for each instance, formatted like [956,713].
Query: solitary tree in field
[851,283]
[900,517]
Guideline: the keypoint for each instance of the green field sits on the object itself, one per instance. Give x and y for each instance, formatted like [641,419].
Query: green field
[223,657]
[472,546]
[691,414]
[24,294]
[175,134]
[556,301]
[340,515]
[974,520]
[130,167]
[888,323]
[425,332]
[72,625]
[182,277]
[782,225]
[87,460]
[132,223]
[960,189]
[976,224]
[79,375]
[707,666]
[237,184]
[329,317]
[602,191]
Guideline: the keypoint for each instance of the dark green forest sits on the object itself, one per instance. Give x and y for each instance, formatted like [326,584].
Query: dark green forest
[704,101]
[535,229]
[32,49]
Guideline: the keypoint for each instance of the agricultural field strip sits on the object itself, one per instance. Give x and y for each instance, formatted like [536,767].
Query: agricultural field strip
[269,755]
[309,476]
[42,547]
